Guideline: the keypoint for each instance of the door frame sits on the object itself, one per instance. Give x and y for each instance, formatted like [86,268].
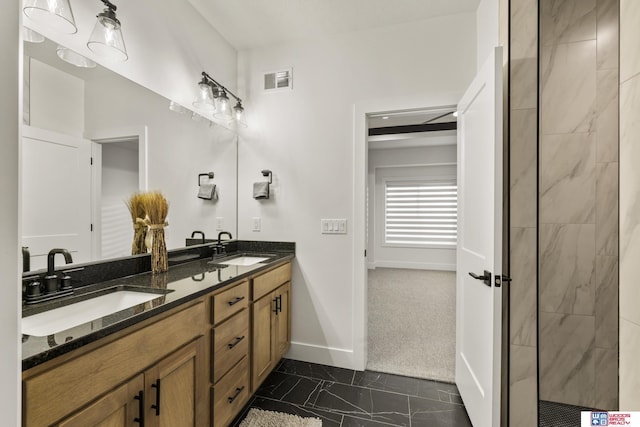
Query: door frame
[105,136]
[361,111]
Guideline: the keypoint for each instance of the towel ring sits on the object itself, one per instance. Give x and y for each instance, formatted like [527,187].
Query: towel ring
[268,173]
[210,175]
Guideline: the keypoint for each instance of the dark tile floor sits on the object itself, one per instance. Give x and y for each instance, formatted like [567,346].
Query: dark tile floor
[346,398]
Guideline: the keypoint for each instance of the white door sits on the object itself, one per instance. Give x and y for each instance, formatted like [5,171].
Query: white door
[56,195]
[478,301]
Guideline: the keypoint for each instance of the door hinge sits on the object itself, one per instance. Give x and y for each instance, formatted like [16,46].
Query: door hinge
[365,252]
[91,227]
[91,161]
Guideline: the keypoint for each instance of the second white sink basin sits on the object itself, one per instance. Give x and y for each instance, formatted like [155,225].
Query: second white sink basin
[245,260]
[63,318]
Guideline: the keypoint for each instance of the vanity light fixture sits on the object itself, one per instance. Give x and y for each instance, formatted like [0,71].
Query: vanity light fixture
[213,94]
[204,100]
[31,36]
[74,58]
[55,14]
[106,38]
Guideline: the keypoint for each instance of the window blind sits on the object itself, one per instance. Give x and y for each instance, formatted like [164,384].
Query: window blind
[421,212]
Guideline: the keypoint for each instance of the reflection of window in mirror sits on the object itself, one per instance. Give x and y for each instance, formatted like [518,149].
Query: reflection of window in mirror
[134,141]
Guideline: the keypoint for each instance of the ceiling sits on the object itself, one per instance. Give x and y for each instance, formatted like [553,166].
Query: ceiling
[248,24]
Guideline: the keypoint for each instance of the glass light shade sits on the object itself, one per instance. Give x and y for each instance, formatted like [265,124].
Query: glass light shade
[204,99]
[31,36]
[106,38]
[222,103]
[175,107]
[55,14]
[74,58]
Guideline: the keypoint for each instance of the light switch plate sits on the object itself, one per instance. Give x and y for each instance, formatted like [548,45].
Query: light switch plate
[257,224]
[219,223]
[333,226]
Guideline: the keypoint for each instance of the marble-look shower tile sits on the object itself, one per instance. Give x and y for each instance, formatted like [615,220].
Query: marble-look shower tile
[567,359]
[523,290]
[607,116]
[606,379]
[607,209]
[523,386]
[568,88]
[629,366]
[523,171]
[629,36]
[524,83]
[607,302]
[565,21]
[629,199]
[567,178]
[567,268]
[524,17]
[607,33]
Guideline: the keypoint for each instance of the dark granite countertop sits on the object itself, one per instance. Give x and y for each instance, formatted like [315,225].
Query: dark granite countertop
[182,283]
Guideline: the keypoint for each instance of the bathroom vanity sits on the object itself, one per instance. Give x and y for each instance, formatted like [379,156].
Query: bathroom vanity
[193,356]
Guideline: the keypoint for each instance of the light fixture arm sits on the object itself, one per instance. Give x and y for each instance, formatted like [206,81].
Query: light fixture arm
[212,82]
[109,5]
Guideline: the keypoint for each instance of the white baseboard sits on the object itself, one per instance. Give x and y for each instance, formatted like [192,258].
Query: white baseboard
[341,358]
[412,265]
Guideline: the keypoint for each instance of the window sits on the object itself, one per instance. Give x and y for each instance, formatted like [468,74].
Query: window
[421,213]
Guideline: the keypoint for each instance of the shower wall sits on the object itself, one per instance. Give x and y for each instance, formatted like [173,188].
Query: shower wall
[523,141]
[578,202]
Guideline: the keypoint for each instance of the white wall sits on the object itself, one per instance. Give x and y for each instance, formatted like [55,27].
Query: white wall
[405,162]
[10,119]
[57,99]
[178,149]
[168,42]
[488,29]
[305,136]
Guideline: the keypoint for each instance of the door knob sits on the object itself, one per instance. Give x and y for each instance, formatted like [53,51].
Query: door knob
[486,277]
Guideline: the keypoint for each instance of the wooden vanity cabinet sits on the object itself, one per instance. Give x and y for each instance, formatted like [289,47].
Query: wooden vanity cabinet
[271,322]
[116,383]
[229,352]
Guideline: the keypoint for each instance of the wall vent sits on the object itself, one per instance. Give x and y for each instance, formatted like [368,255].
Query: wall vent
[278,80]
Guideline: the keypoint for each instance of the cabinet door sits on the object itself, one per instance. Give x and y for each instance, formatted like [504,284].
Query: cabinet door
[175,388]
[283,320]
[118,408]
[263,344]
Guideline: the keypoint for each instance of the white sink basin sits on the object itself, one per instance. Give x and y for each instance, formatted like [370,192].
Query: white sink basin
[245,260]
[63,318]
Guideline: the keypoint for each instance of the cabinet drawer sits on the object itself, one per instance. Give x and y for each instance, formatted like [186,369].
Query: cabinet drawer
[230,343]
[269,281]
[231,301]
[230,394]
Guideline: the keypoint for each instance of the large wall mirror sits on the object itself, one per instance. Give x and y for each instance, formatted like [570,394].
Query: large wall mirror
[91,138]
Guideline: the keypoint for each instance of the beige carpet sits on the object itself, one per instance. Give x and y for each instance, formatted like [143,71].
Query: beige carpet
[412,315]
[261,418]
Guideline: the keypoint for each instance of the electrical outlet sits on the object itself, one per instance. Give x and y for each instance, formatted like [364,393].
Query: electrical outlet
[257,224]
[333,226]
[219,223]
